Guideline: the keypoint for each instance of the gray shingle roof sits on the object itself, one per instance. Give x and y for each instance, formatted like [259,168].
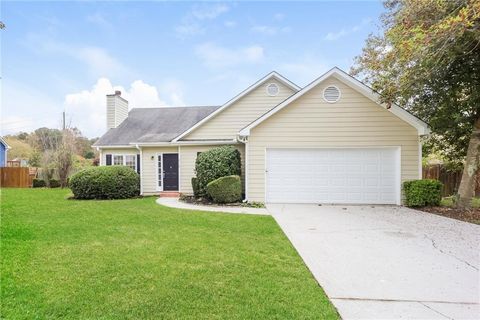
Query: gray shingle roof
[154,125]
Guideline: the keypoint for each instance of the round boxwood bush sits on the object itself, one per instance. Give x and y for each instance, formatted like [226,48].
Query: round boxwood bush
[422,193]
[110,182]
[38,183]
[225,189]
[216,163]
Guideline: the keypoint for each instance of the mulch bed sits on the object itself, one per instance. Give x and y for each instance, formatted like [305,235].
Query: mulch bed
[206,202]
[467,215]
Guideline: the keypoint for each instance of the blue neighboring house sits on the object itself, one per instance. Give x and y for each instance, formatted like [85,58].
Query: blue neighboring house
[3,152]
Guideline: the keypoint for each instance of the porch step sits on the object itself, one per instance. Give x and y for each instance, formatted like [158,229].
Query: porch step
[169,194]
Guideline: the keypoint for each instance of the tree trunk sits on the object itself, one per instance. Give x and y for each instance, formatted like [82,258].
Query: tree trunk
[466,190]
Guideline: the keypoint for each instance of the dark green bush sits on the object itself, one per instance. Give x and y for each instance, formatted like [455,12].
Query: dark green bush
[225,189]
[422,193]
[216,163]
[195,186]
[108,182]
[54,183]
[38,183]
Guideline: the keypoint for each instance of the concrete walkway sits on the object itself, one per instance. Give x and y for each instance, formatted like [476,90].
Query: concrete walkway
[176,203]
[387,262]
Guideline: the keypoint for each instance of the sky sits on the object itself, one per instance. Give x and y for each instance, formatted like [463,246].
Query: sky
[66,56]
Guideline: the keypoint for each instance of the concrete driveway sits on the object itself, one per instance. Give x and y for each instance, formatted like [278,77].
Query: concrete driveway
[388,262]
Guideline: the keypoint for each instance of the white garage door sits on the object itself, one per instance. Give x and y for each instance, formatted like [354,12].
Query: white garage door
[350,175]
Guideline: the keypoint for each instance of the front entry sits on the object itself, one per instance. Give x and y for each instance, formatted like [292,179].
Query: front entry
[170,171]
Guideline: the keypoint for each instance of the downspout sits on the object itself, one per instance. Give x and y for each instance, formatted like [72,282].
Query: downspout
[100,160]
[141,168]
[244,140]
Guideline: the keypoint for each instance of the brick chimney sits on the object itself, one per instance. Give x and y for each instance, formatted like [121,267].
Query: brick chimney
[117,109]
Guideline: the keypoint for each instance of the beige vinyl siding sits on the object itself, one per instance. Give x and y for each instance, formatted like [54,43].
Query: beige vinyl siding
[149,169]
[188,156]
[354,121]
[228,122]
[116,151]
[117,111]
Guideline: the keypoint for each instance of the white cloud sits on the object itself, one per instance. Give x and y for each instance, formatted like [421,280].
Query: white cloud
[25,108]
[230,24]
[217,56]
[279,16]
[193,22]
[266,30]
[304,70]
[99,20]
[270,30]
[209,12]
[98,61]
[331,36]
[86,109]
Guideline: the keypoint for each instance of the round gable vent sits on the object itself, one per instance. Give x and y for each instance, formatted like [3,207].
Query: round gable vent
[273,89]
[331,94]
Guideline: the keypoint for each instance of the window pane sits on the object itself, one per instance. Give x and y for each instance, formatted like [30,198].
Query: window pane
[159,160]
[130,161]
[118,160]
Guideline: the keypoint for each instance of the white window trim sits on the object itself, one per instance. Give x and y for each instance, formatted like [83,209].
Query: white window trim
[157,186]
[124,161]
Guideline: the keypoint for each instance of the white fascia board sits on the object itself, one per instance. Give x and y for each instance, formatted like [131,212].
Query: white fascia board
[184,143]
[421,126]
[115,146]
[272,74]
[5,143]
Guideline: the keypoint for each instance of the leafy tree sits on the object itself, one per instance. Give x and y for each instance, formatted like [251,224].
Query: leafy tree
[20,149]
[44,139]
[427,59]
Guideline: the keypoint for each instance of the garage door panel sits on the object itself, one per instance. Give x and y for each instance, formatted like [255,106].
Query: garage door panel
[349,175]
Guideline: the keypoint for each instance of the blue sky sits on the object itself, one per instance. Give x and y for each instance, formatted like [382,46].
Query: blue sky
[67,55]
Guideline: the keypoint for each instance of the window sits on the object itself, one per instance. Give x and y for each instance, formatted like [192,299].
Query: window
[130,161]
[118,160]
[159,170]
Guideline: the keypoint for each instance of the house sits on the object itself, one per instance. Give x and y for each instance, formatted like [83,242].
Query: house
[332,141]
[3,152]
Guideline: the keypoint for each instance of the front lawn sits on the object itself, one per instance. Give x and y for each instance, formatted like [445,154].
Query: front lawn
[133,259]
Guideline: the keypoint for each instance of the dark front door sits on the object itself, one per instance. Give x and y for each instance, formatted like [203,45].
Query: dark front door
[170,171]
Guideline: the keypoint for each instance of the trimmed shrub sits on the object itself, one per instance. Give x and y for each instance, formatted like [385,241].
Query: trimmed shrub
[108,182]
[195,187]
[225,189]
[422,193]
[216,163]
[38,183]
[54,183]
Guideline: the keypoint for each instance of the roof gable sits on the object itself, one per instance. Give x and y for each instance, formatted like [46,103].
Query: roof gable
[5,144]
[270,76]
[355,84]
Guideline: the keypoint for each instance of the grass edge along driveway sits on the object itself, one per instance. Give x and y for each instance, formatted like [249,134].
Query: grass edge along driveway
[134,259]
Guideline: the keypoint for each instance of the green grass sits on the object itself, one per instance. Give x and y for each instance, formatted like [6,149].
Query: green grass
[133,259]
[448,202]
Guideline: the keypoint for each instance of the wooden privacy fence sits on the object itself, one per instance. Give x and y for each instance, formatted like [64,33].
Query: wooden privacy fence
[450,179]
[16,177]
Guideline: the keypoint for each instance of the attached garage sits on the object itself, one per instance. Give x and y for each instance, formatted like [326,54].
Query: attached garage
[333,175]
[332,142]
